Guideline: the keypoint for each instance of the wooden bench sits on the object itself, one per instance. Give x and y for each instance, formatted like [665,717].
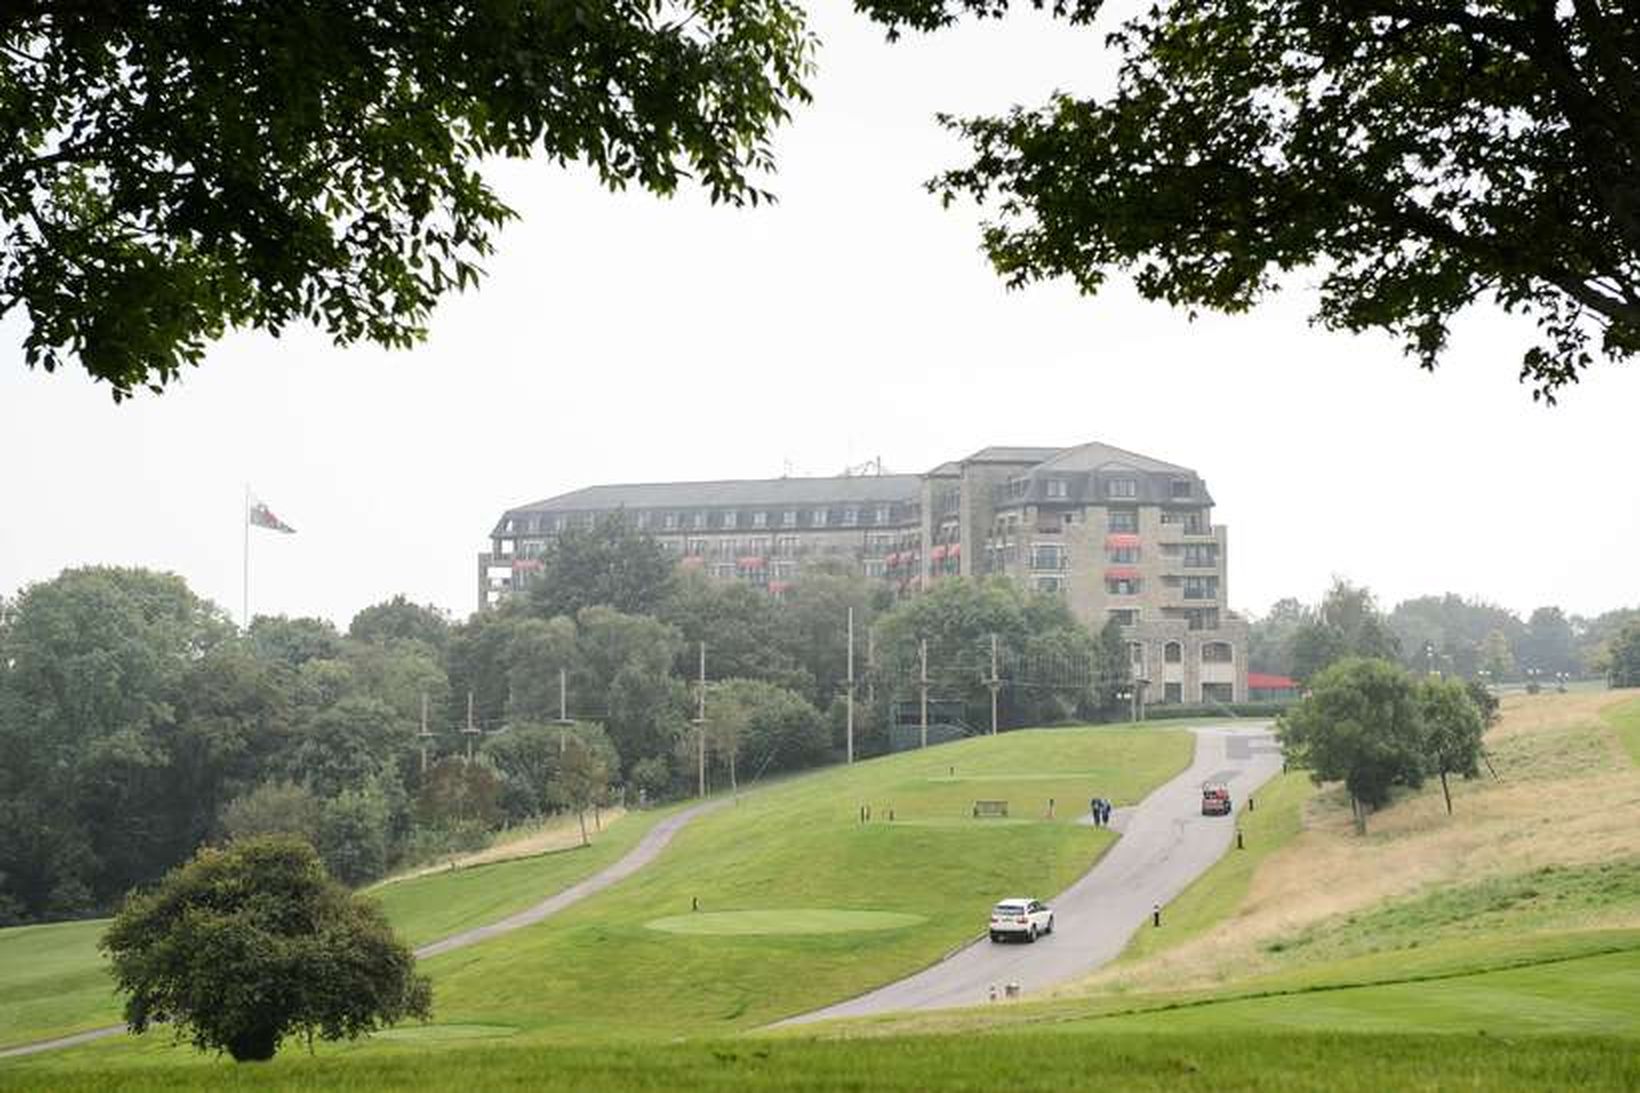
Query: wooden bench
[990,808]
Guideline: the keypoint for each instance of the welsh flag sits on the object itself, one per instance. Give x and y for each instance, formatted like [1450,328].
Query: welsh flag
[262,517]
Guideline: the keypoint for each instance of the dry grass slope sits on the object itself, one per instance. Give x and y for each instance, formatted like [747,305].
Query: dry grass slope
[1566,795]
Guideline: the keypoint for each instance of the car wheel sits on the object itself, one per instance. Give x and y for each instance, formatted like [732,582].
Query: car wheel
[1050,924]
[1031,936]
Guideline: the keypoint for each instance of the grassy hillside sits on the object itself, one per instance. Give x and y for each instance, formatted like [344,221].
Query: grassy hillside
[797,853]
[56,982]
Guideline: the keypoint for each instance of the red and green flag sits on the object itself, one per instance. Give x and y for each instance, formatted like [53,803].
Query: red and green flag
[262,517]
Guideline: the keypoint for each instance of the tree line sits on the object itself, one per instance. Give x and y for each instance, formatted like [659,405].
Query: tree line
[1446,634]
[137,723]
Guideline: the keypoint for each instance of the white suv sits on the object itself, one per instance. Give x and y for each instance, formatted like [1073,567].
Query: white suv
[1026,918]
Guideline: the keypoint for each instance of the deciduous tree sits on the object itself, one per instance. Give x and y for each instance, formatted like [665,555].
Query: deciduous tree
[1419,156]
[174,170]
[1452,726]
[1361,725]
[245,946]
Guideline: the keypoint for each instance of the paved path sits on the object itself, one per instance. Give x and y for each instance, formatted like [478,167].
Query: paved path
[1166,843]
[653,842]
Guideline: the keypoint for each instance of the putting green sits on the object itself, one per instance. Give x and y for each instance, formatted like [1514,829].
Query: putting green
[791,920]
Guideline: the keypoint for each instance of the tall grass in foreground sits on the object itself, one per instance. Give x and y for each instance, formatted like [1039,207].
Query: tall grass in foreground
[1023,1062]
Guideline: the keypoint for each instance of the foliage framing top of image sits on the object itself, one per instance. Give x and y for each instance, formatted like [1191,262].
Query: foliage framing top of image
[172,170]
[1420,155]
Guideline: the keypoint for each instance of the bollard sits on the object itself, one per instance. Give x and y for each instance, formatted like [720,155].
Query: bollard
[694,903]
[1011,990]
[1238,841]
[891,815]
[1249,802]
[1156,914]
[1050,808]
[993,992]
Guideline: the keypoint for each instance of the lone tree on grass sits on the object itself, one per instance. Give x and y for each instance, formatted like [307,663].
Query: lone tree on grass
[1625,657]
[581,782]
[1453,725]
[244,946]
[1361,725]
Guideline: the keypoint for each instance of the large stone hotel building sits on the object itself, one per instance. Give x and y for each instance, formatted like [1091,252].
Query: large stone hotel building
[1118,535]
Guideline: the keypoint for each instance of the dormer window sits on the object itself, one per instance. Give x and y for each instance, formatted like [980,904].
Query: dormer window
[1058,489]
[1122,487]
[1181,489]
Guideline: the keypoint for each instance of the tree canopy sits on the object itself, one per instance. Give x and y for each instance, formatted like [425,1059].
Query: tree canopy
[174,170]
[245,946]
[1419,155]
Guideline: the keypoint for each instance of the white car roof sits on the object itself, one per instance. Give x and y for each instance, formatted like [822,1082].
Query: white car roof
[1016,899]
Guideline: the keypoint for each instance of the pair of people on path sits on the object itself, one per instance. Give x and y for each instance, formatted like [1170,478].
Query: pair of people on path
[1100,808]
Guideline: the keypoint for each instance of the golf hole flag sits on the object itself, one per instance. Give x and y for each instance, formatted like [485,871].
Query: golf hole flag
[261,516]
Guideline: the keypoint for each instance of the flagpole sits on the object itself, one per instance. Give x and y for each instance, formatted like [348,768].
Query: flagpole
[245,586]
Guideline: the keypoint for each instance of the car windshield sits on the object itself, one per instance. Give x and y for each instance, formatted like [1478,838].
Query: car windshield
[1009,909]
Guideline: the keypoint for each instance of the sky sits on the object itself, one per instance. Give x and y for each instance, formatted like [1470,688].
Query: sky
[625,338]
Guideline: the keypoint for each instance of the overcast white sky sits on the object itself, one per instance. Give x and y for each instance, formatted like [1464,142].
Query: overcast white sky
[624,338]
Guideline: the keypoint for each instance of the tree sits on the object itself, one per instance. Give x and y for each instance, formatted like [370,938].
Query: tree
[1624,670]
[1495,658]
[1422,156]
[273,808]
[748,634]
[773,728]
[1347,624]
[1453,629]
[398,619]
[1452,727]
[294,642]
[1360,724]
[353,834]
[1270,639]
[1485,701]
[610,564]
[321,162]
[581,782]
[244,946]
[458,792]
[1548,644]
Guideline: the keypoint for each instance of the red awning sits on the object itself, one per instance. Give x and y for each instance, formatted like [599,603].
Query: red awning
[937,553]
[1121,573]
[778,587]
[954,550]
[693,561]
[1259,681]
[751,561]
[1121,540]
[894,558]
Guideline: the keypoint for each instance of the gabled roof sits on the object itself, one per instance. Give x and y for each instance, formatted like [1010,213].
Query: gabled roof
[1091,457]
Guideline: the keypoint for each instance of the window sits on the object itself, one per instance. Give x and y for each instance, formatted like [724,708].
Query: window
[1122,487]
[1218,692]
[1123,521]
[1181,488]
[696,548]
[1122,586]
[670,522]
[1202,618]
[730,519]
[1125,616]
[1172,692]
[851,517]
[1122,555]
[760,519]
[786,546]
[698,520]
[883,514]
[1057,489]
[875,567]
[724,569]
[1136,653]
[1201,555]
[1216,652]
[788,519]
[757,544]
[818,518]
[643,522]
[784,570]
[1047,556]
[1049,584]
[1201,588]
[1173,653]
